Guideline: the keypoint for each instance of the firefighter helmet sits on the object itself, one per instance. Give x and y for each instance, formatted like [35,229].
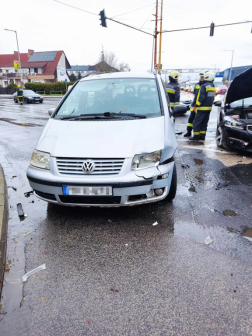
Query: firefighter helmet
[202,72]
[209,76]
[19,86]
[175,74]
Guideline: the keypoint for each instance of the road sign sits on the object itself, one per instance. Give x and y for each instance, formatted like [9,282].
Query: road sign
[16,65]
[22,83]
[156,66]
[66,80]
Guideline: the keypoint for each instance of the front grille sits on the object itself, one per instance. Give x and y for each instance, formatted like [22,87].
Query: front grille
[45,195]
[91,199]
[249,128]
[73,166]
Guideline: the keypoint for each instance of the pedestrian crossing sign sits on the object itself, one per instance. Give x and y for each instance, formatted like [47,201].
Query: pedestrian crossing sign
[16,65]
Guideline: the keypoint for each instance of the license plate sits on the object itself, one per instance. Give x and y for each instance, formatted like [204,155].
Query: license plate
[87,191]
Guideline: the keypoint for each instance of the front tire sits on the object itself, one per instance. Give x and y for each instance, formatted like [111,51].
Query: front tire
[220,138]
[173,187]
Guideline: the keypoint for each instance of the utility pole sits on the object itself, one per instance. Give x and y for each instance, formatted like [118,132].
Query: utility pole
[229,76]
[160,38]
[155,36]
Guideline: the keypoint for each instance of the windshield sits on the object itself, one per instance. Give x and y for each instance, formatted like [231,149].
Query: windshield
[29,92]
[247,102]
[131,96]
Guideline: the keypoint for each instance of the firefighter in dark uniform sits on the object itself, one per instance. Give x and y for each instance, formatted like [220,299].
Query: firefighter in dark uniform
[20,94]
[203,106]
[173,88]
[192,114]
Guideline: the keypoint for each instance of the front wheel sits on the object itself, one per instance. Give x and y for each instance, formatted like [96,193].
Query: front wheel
[173,187]
[219,137]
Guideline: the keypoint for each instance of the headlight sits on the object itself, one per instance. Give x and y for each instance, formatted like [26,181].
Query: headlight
[40,160]
[231,122]
[29,97]
[141,161]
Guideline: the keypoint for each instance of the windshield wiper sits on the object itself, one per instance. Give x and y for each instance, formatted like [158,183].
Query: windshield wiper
[111,114]
[102,116]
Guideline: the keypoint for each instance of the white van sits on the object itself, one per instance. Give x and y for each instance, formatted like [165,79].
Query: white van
[110,142]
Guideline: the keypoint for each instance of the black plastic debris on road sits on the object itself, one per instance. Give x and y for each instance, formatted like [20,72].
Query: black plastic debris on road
[185,165]
[28,193]
[20,210]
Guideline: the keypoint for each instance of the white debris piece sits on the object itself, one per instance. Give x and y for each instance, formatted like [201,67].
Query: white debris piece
[35,270]
[208,241]
[154,224]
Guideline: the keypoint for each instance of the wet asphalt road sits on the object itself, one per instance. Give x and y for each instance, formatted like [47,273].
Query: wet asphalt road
[109,271]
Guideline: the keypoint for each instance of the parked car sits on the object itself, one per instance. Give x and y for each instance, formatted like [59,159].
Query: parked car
[29,96]
[187,103]
[221,91]
[234,121]
[116,149]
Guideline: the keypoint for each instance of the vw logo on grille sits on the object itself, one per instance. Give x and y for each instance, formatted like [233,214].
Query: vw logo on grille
[88,166]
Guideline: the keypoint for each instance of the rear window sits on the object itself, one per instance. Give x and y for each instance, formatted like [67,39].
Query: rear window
[126,95]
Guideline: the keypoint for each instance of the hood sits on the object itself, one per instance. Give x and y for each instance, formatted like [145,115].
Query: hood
[240,88]
[102,139]
[32,95]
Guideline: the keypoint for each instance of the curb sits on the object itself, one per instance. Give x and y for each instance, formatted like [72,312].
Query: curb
[44,97]
[3,224]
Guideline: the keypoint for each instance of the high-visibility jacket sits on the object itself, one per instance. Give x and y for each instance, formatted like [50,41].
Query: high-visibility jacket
[173,91]
[20,93]
[195,92]
[205,96]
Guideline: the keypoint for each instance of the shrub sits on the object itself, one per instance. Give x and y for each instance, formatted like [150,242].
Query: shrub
[12,85]
[48,87]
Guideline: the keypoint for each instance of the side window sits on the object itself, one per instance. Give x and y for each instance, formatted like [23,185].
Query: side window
[167,98]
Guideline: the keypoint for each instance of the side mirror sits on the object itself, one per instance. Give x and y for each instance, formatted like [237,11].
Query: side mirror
[51,110]
[178,110]
[217,103]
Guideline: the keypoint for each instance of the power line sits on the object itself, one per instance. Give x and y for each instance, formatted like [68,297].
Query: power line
[76,8]
[221,25]
[132,10]
[124,24]
[147,18]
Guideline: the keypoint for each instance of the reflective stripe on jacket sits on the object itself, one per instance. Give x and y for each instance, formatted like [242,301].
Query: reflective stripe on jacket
[205,97]
[173,91]
[195,92]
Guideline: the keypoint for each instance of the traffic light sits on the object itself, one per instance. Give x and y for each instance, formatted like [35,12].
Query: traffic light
[103,18]
[212,29]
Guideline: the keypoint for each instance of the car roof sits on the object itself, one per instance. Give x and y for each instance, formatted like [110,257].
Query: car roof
[120,75]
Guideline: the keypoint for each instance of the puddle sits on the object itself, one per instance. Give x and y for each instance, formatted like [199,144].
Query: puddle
[248,234]
[11,121]
[195,143]
[198,162]
[229,213]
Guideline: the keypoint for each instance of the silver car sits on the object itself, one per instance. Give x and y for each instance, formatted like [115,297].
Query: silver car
[110,142]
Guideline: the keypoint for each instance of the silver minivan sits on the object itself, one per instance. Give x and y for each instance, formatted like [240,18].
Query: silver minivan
[110,142]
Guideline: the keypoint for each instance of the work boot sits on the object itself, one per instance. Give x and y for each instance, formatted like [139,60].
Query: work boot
[202,137]
[195,137]
[187,134]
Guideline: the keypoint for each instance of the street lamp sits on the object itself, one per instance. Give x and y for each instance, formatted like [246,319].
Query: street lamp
[229,77]
[21,79]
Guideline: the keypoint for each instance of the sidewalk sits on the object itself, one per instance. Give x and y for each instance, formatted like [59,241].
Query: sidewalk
[3,224]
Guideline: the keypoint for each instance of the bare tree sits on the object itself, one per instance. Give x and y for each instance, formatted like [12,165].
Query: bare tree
[108,62]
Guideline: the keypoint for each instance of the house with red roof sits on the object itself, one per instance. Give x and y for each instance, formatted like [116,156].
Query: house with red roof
[43,67]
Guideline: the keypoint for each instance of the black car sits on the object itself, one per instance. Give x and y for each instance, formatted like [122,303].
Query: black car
[29,96]
[234,120]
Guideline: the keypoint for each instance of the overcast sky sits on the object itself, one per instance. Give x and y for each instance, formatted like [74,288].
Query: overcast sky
[45,25]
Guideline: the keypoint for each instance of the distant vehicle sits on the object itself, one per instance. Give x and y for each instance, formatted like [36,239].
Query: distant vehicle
[221,91]
[29,96]
[234,120]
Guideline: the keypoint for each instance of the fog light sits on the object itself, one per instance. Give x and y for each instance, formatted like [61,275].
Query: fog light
[165,176]
[159,192]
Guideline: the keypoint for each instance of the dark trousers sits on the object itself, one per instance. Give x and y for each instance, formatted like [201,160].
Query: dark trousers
[190,121]
[20,98]
[200,123]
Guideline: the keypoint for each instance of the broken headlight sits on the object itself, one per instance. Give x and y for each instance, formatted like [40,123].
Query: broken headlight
[40,160]
[231,122]
[141,161]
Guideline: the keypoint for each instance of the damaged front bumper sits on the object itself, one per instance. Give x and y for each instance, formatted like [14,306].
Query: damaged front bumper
[129,187]
[238,139]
